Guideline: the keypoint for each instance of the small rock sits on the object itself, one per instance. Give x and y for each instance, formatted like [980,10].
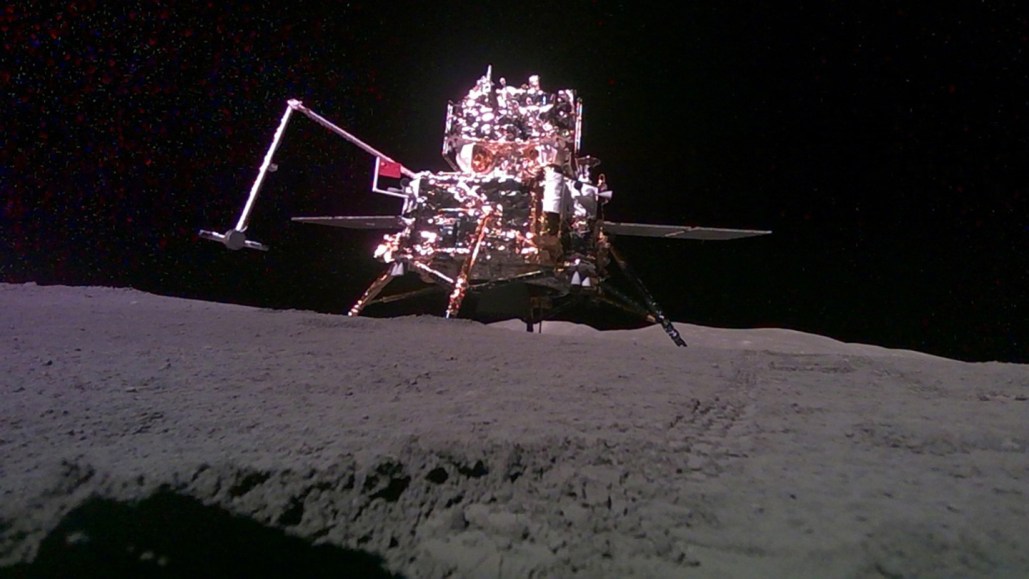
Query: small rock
[575,514]
[1010,445]
[76,538]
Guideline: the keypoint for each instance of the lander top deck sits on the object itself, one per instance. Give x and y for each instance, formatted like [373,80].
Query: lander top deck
[513,130]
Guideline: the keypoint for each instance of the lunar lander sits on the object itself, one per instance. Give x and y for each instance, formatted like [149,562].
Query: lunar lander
[518,219]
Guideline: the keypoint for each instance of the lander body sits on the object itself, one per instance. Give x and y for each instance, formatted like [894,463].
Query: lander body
[518,219]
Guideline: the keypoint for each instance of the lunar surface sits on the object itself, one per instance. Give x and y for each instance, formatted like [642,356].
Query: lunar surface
[151,433]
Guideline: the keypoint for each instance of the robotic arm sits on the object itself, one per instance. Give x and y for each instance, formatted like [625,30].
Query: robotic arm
[236,238]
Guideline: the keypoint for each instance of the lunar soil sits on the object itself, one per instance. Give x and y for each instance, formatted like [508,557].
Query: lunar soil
[153,428]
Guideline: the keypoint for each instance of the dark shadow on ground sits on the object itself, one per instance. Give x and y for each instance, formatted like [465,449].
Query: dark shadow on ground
[170,535]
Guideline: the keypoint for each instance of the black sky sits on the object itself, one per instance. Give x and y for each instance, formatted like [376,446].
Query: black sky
[885,144]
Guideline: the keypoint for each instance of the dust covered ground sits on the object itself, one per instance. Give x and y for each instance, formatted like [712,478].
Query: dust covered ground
[133,424]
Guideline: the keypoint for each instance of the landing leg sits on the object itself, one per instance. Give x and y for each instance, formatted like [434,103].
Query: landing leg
[651,303]
[461,283]
[534,320]
[373,290]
